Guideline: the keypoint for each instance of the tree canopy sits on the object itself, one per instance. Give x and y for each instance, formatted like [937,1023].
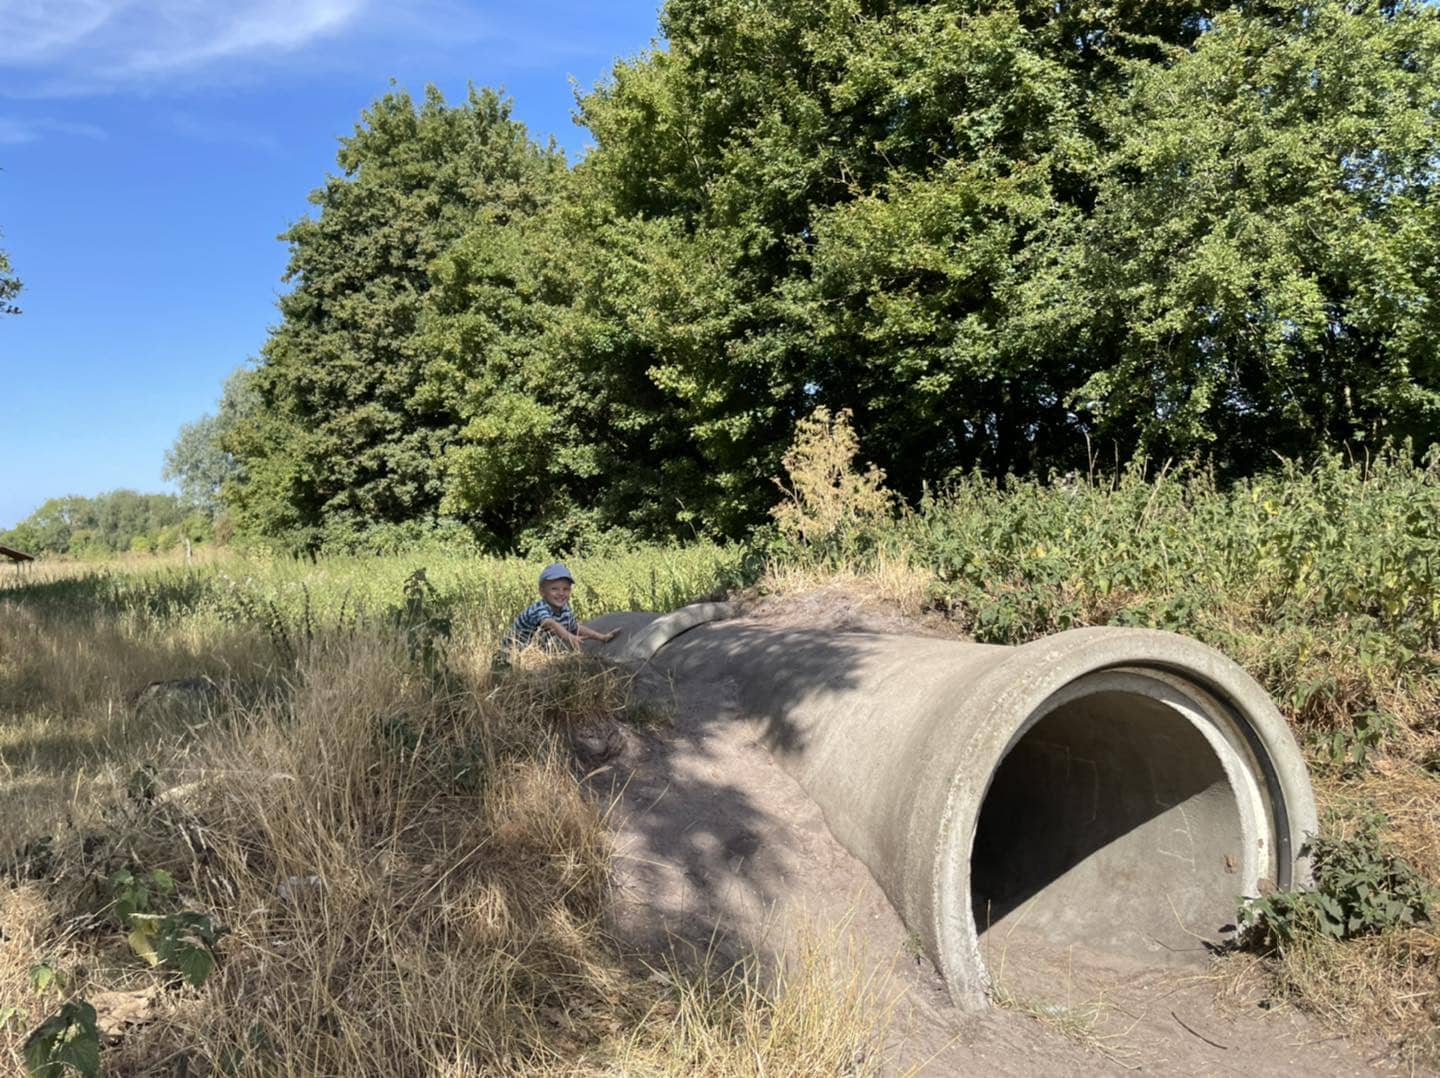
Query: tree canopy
[996,234]
[9,286]
[111,523]
[198,460]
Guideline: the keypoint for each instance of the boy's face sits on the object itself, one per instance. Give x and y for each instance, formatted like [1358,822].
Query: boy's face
[556,592]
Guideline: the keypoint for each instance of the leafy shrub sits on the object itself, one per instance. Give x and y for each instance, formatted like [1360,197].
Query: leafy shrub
[1360,889]
[828,506]
[1320,580]
[423,626]
[183,940]
[65,1044]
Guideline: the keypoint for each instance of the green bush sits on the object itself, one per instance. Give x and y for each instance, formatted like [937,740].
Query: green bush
[1320,580]
[1360,889]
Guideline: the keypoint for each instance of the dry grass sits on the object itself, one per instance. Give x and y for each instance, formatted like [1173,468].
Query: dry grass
[48,570]
[412,879]
[1404,790]
[810,1012]
[1384,988]
[70,730]
[851,595]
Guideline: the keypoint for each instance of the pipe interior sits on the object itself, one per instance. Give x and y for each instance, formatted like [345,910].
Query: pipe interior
[1110,824]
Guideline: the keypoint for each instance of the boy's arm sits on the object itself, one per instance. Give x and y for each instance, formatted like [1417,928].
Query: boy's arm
[550,625]
[590,634]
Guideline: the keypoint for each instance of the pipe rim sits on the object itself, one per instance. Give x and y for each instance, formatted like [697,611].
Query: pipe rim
[1219,687]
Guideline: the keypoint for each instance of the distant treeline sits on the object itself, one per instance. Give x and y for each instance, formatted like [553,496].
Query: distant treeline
[1006,236]
[112,523]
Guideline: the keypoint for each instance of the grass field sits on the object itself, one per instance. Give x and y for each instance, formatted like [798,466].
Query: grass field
[344,846]
[409,879]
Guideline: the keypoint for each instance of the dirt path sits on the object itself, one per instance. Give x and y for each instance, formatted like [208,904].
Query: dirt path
[717,847]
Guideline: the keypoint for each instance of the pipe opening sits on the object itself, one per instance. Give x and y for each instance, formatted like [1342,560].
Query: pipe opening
[1114,823]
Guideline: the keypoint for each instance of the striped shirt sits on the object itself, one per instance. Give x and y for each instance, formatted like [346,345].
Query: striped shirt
[527,624]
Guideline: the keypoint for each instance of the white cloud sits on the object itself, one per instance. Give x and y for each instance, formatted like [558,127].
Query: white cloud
[15,131]
[77,45]
[40,29]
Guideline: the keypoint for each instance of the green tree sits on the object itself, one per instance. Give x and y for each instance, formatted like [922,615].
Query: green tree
[987,231]
[105,524]
[1265,251]
[9,286]
[356,413]
[565,433]
[869,206]
[198,460]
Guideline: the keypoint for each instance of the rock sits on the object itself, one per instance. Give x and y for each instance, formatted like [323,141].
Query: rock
[196,695]
[596,741]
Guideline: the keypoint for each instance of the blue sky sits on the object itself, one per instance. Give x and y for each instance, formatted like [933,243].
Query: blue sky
[151,151]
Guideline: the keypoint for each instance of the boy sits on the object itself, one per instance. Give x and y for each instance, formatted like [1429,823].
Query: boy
[552,617]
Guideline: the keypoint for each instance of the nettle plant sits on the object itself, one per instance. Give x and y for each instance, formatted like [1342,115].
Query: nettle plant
[65,1044]
[1360,889]
[180,940]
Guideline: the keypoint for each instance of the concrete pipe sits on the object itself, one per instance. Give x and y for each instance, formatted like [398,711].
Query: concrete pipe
[1115,788]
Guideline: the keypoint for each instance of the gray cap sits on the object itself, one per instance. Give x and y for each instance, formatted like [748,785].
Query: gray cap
[555,572]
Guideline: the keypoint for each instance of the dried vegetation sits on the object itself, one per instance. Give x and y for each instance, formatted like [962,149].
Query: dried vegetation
[369,848]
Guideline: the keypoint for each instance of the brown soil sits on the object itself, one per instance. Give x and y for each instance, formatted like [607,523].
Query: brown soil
[719,850]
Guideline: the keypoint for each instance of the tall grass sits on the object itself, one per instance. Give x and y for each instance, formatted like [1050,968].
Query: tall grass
[409,876]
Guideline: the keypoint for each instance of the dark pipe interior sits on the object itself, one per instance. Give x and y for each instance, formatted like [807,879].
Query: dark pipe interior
[1110,824]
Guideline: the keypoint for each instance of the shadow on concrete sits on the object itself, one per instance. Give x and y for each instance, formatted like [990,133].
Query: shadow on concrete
[709,829]
[1105,775]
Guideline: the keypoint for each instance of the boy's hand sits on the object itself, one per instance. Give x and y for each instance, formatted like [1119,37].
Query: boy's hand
[611,635]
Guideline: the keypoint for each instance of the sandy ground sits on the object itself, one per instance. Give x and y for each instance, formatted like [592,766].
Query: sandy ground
[716,847]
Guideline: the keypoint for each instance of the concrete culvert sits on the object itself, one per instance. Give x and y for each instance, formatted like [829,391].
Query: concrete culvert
[1119,788]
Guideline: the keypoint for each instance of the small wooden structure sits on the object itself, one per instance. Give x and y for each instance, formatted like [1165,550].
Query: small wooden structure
[19,557]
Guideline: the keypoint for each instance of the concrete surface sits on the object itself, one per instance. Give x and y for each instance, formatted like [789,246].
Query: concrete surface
[1116,788]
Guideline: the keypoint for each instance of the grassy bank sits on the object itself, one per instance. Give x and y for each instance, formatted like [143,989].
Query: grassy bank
[366,688]
[342,844]
[1323,582]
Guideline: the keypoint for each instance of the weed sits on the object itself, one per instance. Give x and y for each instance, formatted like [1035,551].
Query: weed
[1361,889]
[65,1043]
[828,506]
[47,974]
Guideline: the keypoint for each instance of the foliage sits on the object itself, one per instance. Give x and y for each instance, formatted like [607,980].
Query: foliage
[1264,243]
[65,1043]
[425,629]
[358,407]
[1361,888]
[47,974]
[183,940]
[1321,580]
[198,460]
[996,234]
[9,286]
[110,523]
[828,505]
